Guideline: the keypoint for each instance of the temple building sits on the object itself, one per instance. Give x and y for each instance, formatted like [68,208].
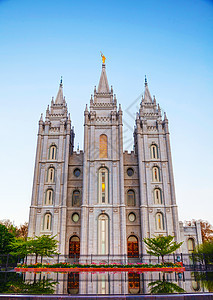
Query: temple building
[104,200]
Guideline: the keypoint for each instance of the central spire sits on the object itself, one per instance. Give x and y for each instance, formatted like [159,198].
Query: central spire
[103,86]
[59,98]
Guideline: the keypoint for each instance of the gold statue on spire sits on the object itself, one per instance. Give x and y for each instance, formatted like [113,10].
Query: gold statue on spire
[103,58]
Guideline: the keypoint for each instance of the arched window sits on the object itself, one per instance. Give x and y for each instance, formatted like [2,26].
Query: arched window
[76,198]
[155,174]
[154,151]
[157,196]
[51,175]
[52,152]
[74,247]
[103,146]
[130,198]
[103,180]
[132,246]
[49,197]
[103,234]
[159,221]
[191,245]
[47,222]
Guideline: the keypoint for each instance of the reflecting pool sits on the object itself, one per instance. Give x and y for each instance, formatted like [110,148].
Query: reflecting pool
[105,282]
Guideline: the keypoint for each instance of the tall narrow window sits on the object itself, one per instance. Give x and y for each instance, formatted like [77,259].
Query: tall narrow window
[49,197]
[76,199]
[132,246]
[47,222]
[51,175]
[159,221]
[154,151]
[131,198]
[52,152]
[157,196]
[191,245]
[103,186]
[103,234]
[155,174]
[74,246]
[103,146]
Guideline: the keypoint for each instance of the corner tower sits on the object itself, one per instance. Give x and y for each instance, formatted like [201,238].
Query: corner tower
[158,209]
[49,195]
[103,221]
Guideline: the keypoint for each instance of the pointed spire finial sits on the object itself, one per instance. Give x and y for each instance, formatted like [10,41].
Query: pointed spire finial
[61,82]
[145,81]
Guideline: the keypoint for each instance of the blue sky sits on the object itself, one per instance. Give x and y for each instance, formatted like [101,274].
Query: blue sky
[169,41]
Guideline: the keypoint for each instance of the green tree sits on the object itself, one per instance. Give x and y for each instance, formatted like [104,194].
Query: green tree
[204,252]
[5,239]
[19,247]
[161,245]
[43,245]
[164,287]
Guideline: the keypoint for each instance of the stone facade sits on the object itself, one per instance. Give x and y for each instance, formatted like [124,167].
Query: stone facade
[104,200]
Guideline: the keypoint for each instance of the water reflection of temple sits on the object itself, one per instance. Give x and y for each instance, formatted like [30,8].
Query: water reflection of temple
[117,282]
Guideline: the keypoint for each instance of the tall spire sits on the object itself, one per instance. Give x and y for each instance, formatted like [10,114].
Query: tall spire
[147,95]
[103,86]
[59,98]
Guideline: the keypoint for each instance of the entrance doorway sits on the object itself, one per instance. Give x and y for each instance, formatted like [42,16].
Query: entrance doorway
[74,247]
[132,246]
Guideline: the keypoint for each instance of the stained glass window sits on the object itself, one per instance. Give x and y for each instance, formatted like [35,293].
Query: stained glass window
[103,186]
[159,221]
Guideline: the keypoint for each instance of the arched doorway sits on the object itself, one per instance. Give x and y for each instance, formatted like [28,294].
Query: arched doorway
[132,246]
[74,246]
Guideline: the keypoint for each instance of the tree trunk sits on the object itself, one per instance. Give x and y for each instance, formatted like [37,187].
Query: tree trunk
[162,259]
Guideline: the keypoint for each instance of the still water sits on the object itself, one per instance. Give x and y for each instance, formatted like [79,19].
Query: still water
[105,282]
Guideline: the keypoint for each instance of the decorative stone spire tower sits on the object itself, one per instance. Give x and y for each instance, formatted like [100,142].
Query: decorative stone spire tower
[158,209]
[103,210]
[49,195]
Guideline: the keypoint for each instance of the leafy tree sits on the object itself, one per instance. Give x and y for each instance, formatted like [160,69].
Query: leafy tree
[206,279]
[164,287]
[20,231]
[43,245]
[161,245]
[44,286]
[19,247]
[10,226]
[204,252]
[23,231]
[5,239]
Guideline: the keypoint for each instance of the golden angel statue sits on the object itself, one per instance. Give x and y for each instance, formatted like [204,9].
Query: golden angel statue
[103,58]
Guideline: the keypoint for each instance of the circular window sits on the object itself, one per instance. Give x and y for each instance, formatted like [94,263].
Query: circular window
[77,172]
[131,217]
[75,217]
[130,171]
